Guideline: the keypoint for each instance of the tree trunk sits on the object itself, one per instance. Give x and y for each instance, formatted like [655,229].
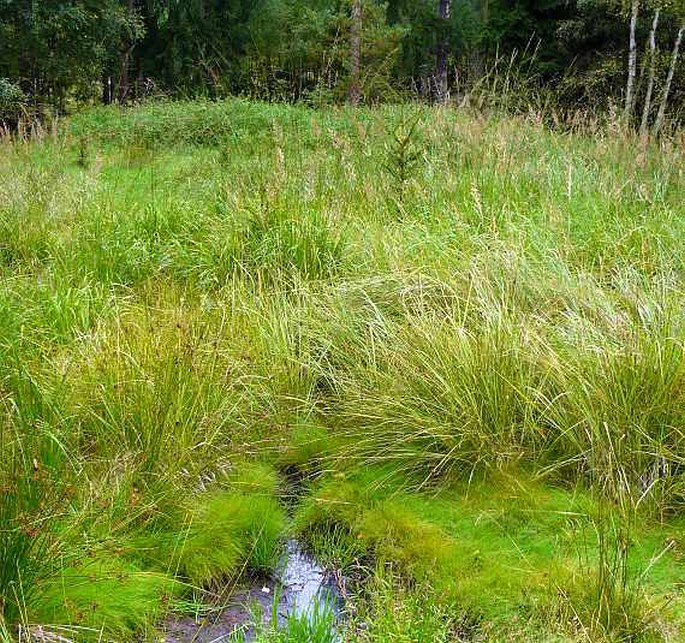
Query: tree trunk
[444,10]
[124,83]
[650,81]
[658,123]
[126,51]
[354,92]
[632,61]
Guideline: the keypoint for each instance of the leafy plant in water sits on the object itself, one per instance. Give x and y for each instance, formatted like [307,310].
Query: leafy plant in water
[315,625]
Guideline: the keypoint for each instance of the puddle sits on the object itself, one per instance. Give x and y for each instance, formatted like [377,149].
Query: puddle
[299,588]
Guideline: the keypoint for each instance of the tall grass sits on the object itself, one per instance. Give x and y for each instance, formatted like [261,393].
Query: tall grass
[212,284]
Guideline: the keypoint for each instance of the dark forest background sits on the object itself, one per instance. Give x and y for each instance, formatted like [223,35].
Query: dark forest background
[566,55]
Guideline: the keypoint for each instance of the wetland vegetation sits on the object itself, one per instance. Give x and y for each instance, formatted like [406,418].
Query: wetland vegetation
[443,350]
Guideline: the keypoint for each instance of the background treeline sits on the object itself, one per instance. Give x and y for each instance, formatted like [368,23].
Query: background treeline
[515,54]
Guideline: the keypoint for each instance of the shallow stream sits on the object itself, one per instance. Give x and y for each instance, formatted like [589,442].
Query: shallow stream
[299,588]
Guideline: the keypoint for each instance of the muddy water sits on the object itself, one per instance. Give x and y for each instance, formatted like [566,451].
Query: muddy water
[298,587]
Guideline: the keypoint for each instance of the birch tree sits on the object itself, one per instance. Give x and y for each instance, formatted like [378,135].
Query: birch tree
[632,60]
[650,81]
[658,123]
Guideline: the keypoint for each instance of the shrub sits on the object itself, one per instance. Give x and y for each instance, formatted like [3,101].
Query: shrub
[12,102]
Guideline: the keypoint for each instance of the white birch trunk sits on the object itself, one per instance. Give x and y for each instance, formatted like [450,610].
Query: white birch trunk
[650,80]
[632,61]
[658,123]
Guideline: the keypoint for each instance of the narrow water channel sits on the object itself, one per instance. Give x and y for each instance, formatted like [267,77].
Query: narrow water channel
[300,588]
[307,587]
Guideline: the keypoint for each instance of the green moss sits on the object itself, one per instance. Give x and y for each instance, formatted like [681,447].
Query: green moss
[258,478]
[224,534]
[127,586]
[307,445]
[104,594]
[497,549]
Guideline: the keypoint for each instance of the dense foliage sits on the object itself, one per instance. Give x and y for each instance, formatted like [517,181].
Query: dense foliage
[569,53]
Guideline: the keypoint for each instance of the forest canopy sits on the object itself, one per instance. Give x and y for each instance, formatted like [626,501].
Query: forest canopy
[520,54]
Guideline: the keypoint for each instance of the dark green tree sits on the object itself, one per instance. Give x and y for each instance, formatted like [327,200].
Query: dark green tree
[55,50]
